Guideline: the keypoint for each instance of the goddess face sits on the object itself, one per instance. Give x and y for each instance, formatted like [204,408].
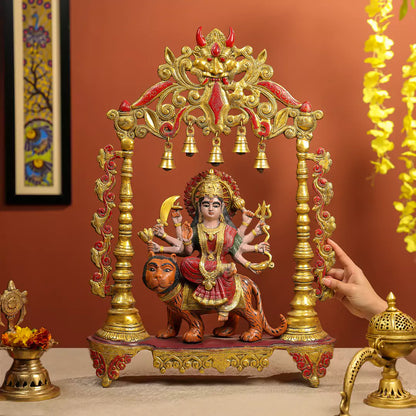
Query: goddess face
[211,208]
[159,274]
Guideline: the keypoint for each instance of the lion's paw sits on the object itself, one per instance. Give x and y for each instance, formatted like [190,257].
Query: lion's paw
[251,335]
[192,336]
[223,331]
[167,333]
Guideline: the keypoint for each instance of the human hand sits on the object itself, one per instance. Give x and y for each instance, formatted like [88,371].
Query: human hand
[263,247]
[158,230]
[176,217]
[152,246]
[230,270]
[352,288]
[247,216]
[258,229]
[187,232]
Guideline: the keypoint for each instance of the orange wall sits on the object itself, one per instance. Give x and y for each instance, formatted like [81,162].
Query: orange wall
[316,50]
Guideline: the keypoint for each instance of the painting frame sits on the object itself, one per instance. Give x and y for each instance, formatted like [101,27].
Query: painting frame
[38,195]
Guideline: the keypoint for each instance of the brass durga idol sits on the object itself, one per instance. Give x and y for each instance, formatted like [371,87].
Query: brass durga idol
[208,283]
[219,88]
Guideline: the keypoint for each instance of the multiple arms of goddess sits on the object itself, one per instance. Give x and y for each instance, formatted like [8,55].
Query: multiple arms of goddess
[247,238]
[182,244]
[175,243]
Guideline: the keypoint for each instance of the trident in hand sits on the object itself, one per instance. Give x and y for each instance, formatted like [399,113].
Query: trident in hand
[263,213]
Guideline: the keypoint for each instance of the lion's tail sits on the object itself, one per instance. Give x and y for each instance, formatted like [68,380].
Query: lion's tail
[274,332]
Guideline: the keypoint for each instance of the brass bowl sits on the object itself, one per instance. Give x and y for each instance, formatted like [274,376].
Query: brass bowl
[27,379]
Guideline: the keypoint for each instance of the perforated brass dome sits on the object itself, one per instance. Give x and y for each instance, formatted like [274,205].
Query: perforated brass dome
[391,335]
[391,323]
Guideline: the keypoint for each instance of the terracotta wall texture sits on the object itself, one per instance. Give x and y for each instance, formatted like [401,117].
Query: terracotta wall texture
[317,52]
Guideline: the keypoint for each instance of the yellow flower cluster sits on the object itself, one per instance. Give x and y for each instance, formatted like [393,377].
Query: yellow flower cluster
[379,12]
[27,338]
[407,208]
[19,338]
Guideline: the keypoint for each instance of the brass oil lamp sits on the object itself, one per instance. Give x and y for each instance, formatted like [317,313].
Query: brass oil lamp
[27,379]
[391,335]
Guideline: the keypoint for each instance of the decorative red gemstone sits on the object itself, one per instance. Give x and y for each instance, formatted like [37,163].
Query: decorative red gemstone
[306,107]
[215,50]
[124,106]
[215,102]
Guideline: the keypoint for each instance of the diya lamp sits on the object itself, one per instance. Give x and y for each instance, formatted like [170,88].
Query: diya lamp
[391,335]
[27,379]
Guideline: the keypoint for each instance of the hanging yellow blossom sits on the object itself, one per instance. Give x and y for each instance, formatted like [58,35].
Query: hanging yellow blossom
[379,12]
[407,208]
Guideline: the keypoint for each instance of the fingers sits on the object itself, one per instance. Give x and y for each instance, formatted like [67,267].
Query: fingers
[341,254]
[158,230]
[264,246]
[336,273]
[152,246]
[340,287]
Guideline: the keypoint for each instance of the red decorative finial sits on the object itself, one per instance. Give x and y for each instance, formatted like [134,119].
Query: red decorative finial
[124,106]
[200,40]
[230,40]
[306,107]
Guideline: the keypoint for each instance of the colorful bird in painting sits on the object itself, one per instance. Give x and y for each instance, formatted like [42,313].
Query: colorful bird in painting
[36,35]
[38,136]
[36,172]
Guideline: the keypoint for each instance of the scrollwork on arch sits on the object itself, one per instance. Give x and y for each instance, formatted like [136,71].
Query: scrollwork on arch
[228,84]
[326,222]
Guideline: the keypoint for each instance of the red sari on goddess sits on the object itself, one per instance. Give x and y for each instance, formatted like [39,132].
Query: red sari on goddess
[213,275]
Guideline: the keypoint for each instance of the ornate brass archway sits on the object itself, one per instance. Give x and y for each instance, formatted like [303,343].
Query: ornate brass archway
[216,87]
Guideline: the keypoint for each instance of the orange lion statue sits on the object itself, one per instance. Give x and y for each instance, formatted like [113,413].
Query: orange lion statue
[161,274]
[206,280]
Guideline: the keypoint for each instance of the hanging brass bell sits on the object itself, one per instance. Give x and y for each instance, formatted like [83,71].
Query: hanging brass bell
[261,159]
[215,156]
[241,145]
[189,146]
[167,162]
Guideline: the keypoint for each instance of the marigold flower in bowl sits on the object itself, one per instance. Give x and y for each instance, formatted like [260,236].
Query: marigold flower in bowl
[27,338]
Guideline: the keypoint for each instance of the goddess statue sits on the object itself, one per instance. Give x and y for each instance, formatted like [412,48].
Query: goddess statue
[211,198]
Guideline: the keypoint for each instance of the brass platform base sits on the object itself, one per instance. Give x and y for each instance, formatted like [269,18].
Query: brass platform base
[408,400]
[391,394]
[109,358]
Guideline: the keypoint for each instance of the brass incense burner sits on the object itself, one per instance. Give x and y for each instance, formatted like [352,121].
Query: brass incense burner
[391,335]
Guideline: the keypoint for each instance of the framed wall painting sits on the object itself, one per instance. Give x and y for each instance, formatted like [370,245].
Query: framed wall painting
[37,88]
